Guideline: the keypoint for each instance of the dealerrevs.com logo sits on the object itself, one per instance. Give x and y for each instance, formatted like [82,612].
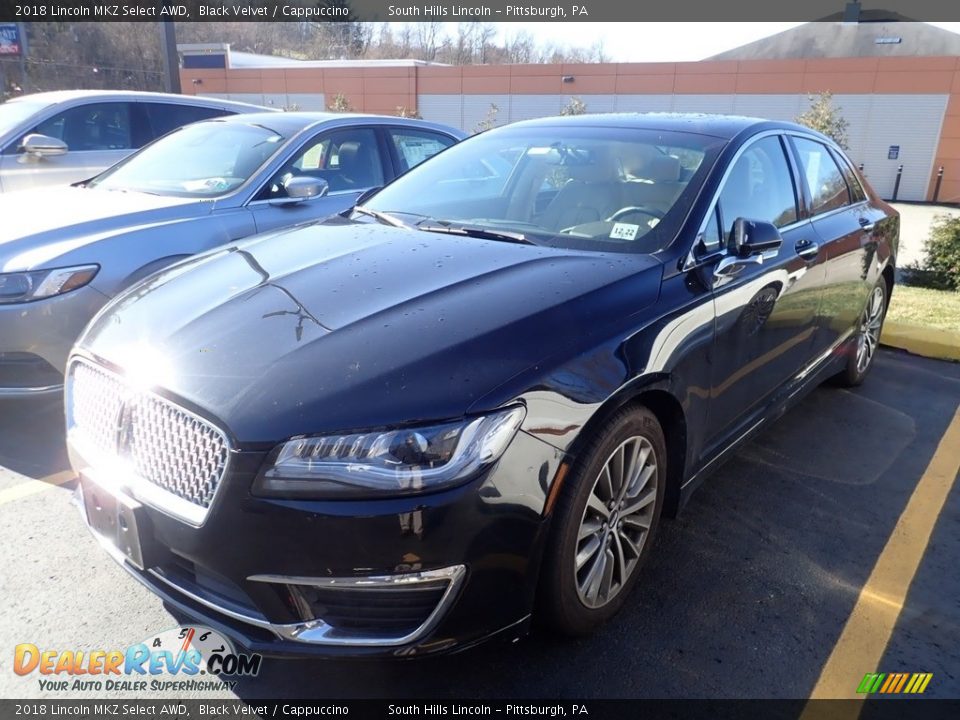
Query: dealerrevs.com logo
[174,660]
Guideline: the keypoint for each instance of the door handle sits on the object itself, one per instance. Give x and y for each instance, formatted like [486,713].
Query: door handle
[866,225]
[807,249]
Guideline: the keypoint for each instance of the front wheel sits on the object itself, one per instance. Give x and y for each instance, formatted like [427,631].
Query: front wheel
[606,518]
[868,338]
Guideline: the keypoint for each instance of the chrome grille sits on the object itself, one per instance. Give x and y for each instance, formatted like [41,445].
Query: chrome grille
[164,444]
[96,401]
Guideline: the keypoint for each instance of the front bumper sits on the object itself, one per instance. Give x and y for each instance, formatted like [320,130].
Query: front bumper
[36,337]
[244,570]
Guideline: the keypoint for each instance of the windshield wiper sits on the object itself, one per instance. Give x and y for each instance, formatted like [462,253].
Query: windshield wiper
[382,217]
[477,232]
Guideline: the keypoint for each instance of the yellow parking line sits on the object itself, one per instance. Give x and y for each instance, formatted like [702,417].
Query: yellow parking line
[31,487]
[863,642]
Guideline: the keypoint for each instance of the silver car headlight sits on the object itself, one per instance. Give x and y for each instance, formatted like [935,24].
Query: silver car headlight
[20,287]
[388,462]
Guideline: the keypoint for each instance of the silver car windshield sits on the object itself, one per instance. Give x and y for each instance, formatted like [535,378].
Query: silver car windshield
[202,160]
[13,113]
[609,189]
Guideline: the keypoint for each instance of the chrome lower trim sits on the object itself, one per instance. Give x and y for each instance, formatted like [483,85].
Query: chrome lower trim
[823,357]
[8,392]
[316,632]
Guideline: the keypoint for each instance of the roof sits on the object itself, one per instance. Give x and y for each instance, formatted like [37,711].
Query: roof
[289,123]
[840,39]
[720,126]
[237,59]
[252,60]
[58,96]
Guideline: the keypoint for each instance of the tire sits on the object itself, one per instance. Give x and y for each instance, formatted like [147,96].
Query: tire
[869,327]
[572,601]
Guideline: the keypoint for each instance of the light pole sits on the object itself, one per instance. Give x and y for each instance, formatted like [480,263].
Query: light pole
[168,48]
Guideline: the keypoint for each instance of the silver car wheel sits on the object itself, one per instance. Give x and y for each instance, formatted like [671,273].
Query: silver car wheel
[870,326]
[616,522]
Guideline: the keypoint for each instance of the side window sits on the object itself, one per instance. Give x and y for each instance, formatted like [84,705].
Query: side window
[165,117]
[100,126]
[415,146]
[712,238]
[759,186]
[857,193]
[349,160]
[828,189]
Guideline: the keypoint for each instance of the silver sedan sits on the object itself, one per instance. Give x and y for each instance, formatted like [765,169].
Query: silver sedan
[65,251]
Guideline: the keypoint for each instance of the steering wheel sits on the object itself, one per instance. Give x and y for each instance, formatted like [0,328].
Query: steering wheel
[631,209]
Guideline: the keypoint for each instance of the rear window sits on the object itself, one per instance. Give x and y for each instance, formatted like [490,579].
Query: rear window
[165,117]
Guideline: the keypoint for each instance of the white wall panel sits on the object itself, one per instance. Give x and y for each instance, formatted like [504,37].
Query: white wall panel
[773,107]
[875,122]
[644,103]
[911,121]
[307,101]
[476,109]
[447,109]
[704,104]
[525,107]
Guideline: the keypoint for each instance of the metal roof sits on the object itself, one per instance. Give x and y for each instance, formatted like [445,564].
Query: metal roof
[841,39]
[720,126]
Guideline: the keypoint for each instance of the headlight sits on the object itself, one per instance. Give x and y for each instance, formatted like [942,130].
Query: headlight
[26,286]
[388,463]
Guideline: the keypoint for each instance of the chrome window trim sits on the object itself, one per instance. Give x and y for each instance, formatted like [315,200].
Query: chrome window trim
[691,261]
[830,152]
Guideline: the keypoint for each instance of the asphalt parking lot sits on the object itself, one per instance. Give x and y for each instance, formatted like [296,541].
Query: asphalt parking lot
[745,597]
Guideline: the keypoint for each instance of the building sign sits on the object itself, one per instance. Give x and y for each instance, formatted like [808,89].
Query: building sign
[10,43]
[893,153]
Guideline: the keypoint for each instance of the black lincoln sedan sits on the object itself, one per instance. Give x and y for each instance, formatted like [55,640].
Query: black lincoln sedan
[468,401]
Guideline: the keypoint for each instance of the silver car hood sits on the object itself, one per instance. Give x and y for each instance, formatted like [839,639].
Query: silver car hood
[37,225]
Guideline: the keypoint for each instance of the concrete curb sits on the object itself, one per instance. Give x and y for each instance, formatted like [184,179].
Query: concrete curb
[929,342]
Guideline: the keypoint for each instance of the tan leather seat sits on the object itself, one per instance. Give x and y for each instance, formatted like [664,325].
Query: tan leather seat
[592,193]
[656,184]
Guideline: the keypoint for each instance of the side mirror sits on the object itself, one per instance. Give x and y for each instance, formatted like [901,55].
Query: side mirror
[43,146]
[304,187]
[750,237]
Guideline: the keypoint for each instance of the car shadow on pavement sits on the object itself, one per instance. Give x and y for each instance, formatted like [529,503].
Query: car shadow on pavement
[32,436]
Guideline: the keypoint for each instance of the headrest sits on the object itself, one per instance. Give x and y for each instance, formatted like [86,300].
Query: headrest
[663,168]
[348,154]
[601,168]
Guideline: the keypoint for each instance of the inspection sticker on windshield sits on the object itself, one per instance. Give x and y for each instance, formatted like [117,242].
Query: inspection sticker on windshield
[624,231]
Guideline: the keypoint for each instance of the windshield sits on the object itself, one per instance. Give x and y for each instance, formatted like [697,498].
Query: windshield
[202,160]
[589,188]
[14,112]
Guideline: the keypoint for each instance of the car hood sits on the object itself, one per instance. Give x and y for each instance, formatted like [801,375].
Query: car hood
[39,225]
[330,327]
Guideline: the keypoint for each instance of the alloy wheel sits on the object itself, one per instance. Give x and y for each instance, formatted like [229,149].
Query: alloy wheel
[616,522]
[870,326]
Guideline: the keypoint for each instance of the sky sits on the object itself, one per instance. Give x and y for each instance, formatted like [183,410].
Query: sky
[653,42]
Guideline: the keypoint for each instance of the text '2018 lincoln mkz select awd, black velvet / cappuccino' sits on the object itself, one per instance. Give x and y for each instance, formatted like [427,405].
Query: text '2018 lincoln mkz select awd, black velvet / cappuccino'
[469,400]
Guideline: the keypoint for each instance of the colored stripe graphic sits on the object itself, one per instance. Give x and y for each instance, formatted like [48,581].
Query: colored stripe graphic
[893,683]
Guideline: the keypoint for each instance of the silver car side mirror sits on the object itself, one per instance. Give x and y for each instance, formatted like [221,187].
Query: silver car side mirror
[304,187]
[38,145]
